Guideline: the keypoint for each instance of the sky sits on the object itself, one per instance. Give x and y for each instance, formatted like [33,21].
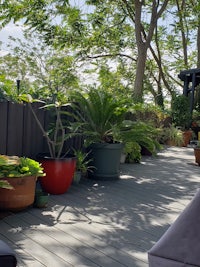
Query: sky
[16,31]
[9,30]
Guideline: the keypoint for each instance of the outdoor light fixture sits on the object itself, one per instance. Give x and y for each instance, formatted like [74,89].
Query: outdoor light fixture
[18,86]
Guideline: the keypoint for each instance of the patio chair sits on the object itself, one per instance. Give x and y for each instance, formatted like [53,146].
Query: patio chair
[7,256]
[180,245]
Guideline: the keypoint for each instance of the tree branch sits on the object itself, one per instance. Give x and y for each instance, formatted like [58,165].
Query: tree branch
[111,55]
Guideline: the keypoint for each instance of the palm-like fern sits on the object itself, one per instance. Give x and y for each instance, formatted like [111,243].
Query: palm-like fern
[96,114]
[141,133]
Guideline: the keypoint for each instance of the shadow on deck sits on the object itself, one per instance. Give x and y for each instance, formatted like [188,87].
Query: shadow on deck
[99,223]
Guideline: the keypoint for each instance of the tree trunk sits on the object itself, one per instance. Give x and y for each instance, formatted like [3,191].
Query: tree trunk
[181,7]
[140,69]
[143,41]
[198,46]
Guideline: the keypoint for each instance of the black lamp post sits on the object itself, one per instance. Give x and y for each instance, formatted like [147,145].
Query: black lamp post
[18,86]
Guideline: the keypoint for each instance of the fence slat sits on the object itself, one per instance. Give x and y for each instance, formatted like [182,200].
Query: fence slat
[33,140]
[19,131]
[15,129]
[3,127]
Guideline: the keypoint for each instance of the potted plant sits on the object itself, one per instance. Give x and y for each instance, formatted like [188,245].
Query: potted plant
[197,153]
[171,136]
[82,165]
[41,199]
[97,115]
[58,164]
[195,125]
[135,136]
[20,174]
[182,117]
[131,152]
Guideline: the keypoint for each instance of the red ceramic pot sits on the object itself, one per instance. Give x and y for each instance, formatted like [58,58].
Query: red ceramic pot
[59,174]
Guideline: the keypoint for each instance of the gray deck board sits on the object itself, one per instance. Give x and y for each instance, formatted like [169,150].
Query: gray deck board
[106,224]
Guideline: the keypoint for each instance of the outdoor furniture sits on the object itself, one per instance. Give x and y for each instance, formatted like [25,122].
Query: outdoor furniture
[180,245]
[7,256]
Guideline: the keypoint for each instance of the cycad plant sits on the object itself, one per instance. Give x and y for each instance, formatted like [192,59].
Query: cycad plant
[96,115]
[135,134]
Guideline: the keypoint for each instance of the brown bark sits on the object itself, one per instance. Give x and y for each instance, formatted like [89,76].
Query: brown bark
[198,45]
[143,42]
[181,8]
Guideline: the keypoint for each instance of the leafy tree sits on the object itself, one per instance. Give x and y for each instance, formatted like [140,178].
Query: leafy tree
[43,71]
[149,42]
[108,29]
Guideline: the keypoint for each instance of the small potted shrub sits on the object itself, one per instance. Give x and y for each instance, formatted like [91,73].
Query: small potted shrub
[181,117]
[171,136]
[41,199]
[20,174]
[82,165]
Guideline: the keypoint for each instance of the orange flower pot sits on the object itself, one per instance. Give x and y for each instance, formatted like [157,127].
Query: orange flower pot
[19,198]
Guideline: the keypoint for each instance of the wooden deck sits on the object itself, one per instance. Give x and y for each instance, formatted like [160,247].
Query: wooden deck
[108,224]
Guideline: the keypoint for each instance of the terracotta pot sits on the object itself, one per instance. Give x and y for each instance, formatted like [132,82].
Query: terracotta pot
[171,143]
[187,136]
[197,155]
[21,196]
[59,174]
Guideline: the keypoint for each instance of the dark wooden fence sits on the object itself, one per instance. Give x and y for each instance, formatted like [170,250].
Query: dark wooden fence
[20,134]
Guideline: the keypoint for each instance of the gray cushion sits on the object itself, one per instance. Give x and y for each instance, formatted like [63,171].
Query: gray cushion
[180,245]
[7,256]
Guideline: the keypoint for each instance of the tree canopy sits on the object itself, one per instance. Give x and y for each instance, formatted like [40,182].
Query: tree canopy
[138,47]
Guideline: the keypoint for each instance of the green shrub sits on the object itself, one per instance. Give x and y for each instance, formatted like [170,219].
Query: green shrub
[181,115]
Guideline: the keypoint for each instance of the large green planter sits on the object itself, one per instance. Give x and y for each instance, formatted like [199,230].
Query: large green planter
[105,160]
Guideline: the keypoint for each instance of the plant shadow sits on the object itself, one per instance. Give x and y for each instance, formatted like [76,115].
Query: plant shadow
[120,220]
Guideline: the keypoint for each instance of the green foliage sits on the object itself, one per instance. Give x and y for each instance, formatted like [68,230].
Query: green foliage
[97,113]
[99,118]
[44,72]
[143,134]
[98,32]
[13,166]
[148,113]
[5,184]
[103,34]
[181,115]
[58,131]
[170,134]
[132,151]
[82,161]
